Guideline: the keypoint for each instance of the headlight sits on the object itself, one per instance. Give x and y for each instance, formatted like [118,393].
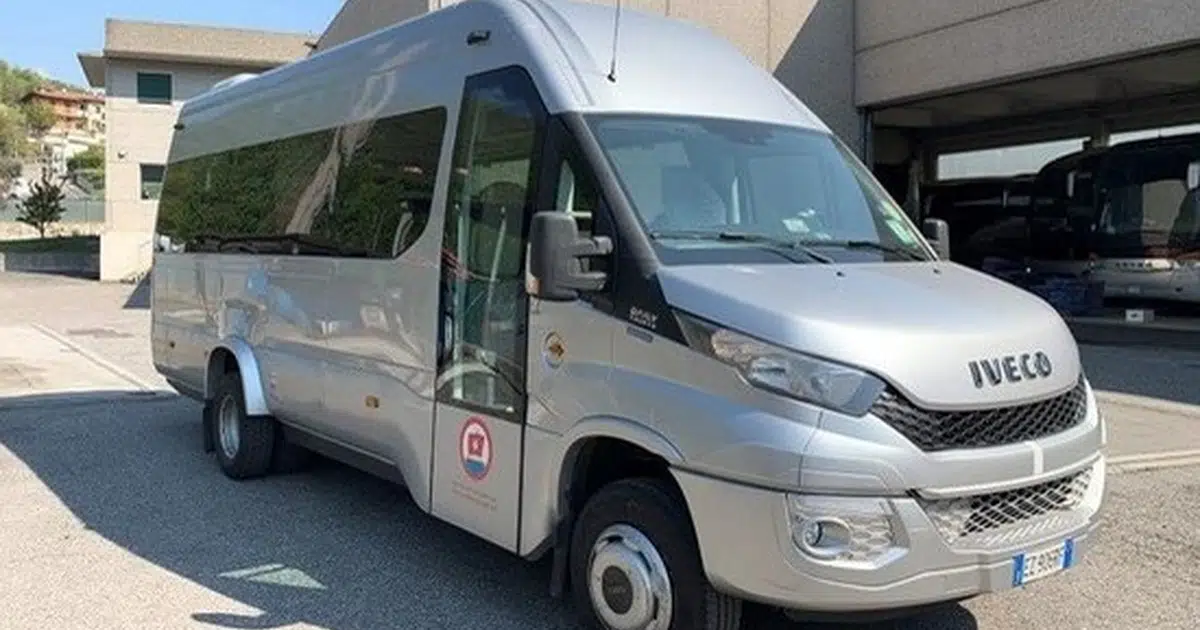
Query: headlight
[833,386]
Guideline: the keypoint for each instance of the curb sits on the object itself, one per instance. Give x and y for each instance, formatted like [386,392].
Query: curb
[84,399]
[1150,404]
[97,359]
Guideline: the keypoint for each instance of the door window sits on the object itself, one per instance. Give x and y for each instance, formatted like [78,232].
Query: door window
[490,199]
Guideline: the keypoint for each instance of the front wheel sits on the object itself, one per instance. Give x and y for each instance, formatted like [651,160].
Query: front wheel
[635,563]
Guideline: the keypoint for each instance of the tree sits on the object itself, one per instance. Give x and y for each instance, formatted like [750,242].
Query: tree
[43,206]
[13,145]
[39,117]
[87,167]
[90,159]
[13,142]
[15,83]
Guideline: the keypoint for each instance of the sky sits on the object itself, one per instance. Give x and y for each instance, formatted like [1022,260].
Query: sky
[45,35]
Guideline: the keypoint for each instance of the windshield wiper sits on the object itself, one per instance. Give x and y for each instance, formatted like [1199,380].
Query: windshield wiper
[744,237]
[879,247]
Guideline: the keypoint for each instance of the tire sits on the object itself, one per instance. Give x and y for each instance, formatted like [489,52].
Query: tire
[640,512]
[288,457]
[250,454]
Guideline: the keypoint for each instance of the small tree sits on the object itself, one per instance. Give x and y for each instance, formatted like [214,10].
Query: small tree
[43,206]
[39,118]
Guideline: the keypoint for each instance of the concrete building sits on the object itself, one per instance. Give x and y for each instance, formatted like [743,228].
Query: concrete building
[147,70]
[74,112]
[903,81]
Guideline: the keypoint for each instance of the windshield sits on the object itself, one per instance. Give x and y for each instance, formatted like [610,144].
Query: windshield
[1146,207]
[713,186]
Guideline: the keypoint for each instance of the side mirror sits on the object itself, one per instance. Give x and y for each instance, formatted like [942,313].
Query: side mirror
[555,250]
[938,233]
[1193,176]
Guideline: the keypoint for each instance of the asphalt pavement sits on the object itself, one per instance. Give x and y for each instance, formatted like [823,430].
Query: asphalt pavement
[111,516]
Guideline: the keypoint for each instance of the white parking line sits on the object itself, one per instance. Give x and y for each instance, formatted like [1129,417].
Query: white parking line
[1152,404]
[1154,461]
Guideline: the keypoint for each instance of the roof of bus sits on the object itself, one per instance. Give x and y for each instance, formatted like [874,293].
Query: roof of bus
[1124,149]
[663,65]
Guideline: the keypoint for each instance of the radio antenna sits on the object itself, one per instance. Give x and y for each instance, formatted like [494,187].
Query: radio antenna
[612,68]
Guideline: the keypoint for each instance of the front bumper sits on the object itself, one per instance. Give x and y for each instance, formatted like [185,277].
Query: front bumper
[903,552]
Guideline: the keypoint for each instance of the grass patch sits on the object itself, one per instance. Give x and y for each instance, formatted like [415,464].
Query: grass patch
[66,244]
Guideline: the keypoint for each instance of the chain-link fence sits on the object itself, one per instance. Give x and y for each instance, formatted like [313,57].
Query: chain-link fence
[76,210]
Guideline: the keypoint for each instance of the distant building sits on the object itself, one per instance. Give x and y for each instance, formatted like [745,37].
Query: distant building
[147,70]
[74,112]
[79,123]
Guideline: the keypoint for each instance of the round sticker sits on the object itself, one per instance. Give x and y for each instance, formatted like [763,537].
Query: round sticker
[475,448]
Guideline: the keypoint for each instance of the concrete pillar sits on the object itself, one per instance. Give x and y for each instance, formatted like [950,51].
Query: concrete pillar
[868,138]
[1101,135]
[922,169]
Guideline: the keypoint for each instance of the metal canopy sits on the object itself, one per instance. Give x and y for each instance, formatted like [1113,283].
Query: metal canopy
[1153,90]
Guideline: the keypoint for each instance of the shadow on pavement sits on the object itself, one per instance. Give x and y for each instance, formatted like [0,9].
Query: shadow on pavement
[1162,373]
[331,547]
[139,298]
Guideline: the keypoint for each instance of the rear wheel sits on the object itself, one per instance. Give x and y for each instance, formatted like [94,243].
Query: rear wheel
[635,564]
[244,444]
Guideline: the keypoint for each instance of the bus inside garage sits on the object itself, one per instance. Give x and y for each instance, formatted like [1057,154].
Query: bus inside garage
[1083,187]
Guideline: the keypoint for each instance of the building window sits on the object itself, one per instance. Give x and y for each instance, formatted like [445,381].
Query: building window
[153,87]
[152,180]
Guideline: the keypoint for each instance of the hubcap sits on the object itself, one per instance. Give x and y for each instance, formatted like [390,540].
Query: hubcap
[227,427]
[628,581]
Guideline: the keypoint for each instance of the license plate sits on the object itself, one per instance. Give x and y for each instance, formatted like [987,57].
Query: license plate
[1036,565]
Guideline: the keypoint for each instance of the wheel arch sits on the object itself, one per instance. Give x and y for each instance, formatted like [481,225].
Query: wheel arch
[582,471]
[233,354]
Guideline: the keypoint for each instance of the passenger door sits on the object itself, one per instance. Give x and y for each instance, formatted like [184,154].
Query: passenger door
[480,397]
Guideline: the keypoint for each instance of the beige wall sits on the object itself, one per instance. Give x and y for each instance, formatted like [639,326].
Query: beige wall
[139,134]
[359,17]
[808,44]
[908,49]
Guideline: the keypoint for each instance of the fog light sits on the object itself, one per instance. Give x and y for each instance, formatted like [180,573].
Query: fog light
[841,529]
[811,532]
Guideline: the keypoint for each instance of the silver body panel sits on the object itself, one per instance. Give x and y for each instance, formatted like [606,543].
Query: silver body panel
[922,569]
[880,316]
[347,349]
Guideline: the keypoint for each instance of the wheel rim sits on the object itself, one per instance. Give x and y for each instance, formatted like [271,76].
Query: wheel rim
[628,581]
[227,427]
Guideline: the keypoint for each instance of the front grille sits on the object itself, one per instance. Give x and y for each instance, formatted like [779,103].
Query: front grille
[1000,518]
[945,430]
[870,537]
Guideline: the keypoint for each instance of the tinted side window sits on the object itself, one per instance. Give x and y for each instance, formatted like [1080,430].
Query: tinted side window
[384,185]
[361,190]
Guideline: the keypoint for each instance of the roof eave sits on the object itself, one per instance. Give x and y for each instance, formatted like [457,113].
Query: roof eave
[93,68]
